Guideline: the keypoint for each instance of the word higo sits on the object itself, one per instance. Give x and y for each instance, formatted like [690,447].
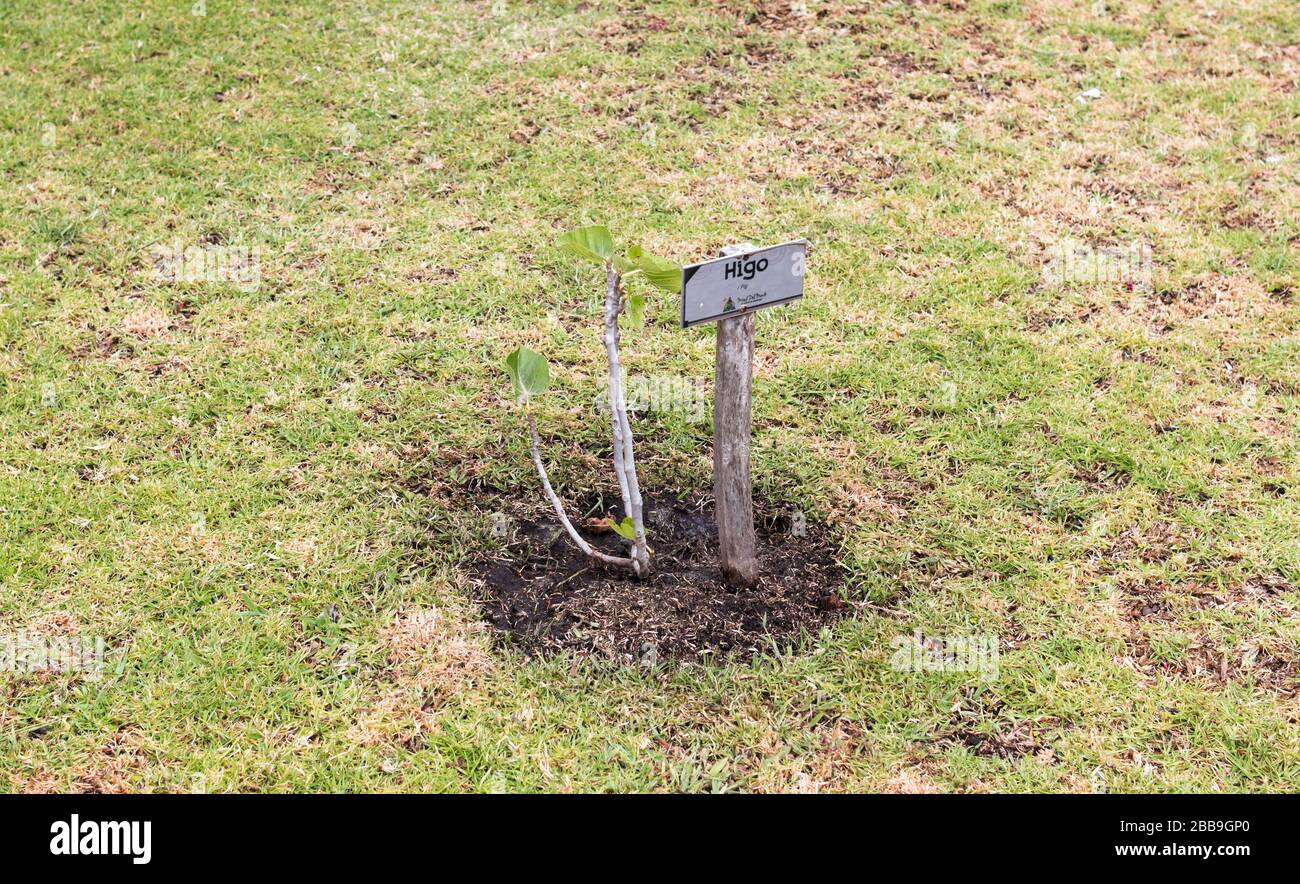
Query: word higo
[741,269]
[108,837]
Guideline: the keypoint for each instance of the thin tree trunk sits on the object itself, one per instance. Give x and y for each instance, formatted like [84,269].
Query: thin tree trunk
[624,455]
[615,392]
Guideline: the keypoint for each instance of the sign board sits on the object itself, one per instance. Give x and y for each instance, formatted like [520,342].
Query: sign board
[743,282]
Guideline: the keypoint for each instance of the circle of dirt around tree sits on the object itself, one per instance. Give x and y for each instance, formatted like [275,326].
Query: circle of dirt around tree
[543,595]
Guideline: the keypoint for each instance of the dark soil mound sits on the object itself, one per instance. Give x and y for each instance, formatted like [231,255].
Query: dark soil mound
[545,595]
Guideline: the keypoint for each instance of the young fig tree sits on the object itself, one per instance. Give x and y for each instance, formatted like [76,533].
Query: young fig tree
[530,375]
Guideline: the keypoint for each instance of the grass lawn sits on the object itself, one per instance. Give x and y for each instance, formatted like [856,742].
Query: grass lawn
[260,496]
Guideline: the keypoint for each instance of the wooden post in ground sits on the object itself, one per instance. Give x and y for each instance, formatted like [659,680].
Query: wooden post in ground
[728,290]
[732,416]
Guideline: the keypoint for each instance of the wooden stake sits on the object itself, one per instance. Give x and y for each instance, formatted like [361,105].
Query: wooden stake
[732,412]
[711,290]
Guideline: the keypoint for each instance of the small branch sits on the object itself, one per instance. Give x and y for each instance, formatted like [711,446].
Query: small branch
[634,489]
[559,506]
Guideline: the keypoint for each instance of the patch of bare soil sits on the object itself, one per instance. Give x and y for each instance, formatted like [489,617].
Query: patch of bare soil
[107,344]
[1153,602]
[1101,477]
[1015,742]
[779,15]
[983,728]
[1206,660]
[1060,314]
[1153,598]
[1154,544]
[1147,599]
[543,595]
[1209,298]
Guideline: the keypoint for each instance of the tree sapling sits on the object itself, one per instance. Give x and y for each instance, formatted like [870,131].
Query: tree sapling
[530,375]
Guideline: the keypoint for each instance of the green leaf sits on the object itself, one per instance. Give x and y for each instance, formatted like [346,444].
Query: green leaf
[529,372]
[592,243]
[624,529]
[636,308]
[659,272]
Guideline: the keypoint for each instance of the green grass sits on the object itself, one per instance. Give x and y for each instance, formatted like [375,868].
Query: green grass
[197,472]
